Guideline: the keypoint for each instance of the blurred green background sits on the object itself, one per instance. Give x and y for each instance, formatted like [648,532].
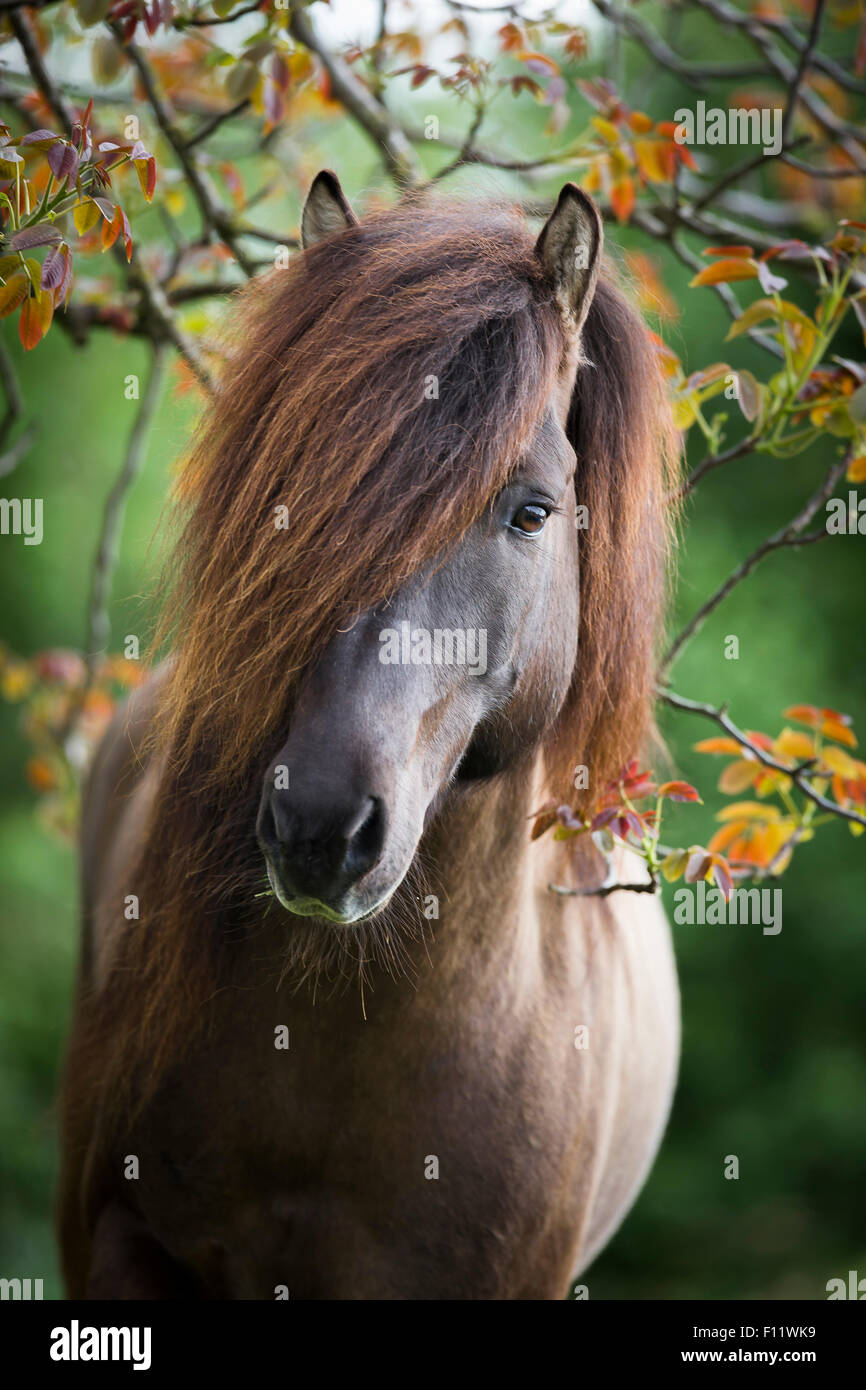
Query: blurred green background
[774,1041]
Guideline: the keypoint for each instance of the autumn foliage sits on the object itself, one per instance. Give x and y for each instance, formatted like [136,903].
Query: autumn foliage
[174,82]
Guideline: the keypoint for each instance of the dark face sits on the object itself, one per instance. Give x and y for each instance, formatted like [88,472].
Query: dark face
[456,679]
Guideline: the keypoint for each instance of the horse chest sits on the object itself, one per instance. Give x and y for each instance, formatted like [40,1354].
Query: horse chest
[396,1157]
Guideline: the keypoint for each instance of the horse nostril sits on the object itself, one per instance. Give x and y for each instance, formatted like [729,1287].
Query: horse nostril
[320,849]
[365,836]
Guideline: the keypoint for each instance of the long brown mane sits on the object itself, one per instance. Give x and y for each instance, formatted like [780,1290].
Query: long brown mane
[322,410]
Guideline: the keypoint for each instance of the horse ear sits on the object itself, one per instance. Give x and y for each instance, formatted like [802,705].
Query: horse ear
[569,248]
[326,210]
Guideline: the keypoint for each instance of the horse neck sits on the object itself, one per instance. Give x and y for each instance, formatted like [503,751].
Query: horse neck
[482,866]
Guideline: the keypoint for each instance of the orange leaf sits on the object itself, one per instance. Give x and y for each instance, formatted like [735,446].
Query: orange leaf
[640,123]
[622,199]
[722,272]
[743,252]
[804,714]
[30,324]
[726,836]
[737,776]
[41,774]
[833,728]
[717,745]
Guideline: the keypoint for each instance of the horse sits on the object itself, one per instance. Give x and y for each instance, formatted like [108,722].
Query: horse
[335,1037]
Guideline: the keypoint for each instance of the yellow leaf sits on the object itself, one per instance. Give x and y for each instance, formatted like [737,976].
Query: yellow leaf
[85,215]
[684,415]
[674,865]
[749,810]
[840,762]
[13,293]
[620,164]
[16,680]
[175,201]
[793,743]
[651,160]
[608,132]
[45,306]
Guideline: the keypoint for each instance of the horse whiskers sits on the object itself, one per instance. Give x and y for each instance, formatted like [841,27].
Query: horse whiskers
[317,952]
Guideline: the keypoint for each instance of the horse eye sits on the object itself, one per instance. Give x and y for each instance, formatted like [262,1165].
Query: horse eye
[529,519]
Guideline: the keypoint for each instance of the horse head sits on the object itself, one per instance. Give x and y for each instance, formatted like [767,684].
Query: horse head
[460,672]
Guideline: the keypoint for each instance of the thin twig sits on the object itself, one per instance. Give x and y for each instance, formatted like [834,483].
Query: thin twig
[98,622]
[197,22]
[745,446]
[214,122]
[790,535]
[802,69]
[603,892]
[693,74]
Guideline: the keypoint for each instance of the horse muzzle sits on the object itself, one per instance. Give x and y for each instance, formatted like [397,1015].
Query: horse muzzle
[321,856]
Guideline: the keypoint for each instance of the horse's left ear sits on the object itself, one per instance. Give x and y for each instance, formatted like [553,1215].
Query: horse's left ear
[569,248]
[326,210]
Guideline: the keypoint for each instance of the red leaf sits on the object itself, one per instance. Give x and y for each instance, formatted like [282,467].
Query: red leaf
[678,791]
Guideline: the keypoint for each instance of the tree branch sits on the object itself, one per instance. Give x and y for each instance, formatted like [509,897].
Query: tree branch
[605,890]
[797,774]
[98,622]
[213,214]
[790,535]
[362,106]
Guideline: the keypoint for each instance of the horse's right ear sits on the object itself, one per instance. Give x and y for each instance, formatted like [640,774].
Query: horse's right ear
[569,248]
[326,210]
